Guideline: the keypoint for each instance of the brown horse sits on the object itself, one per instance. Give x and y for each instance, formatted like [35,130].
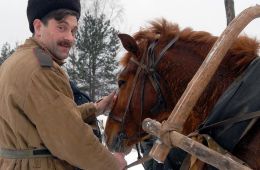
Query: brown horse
[160,62]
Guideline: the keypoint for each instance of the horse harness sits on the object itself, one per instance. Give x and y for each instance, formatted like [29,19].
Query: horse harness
[150,71]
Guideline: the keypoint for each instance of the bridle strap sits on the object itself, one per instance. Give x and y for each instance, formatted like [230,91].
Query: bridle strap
[152,74]
[132,92]
[141,65]
[165,49]
[142,104]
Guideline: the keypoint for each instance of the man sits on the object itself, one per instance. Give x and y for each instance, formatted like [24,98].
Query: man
[41,127]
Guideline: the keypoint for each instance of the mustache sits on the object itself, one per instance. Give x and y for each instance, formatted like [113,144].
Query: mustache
[65,43]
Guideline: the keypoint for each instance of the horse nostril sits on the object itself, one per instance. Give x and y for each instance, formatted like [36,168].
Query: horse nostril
[122,136]
[118,142]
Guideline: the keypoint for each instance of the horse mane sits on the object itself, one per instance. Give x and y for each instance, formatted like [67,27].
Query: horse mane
[243,50]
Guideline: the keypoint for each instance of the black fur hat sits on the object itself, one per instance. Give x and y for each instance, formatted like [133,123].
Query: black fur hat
[37,9]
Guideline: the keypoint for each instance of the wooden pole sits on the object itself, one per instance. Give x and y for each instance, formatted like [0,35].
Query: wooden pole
[173,138]
[198,83]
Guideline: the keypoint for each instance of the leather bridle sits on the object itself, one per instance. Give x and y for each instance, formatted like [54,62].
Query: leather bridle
[154,77]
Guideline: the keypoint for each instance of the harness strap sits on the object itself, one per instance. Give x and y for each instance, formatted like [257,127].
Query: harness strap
[233,120]
[27,153]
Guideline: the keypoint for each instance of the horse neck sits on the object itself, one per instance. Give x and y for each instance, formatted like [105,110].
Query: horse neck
[180,65]
[177,69]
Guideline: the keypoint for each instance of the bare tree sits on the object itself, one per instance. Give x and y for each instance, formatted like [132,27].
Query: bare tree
[112,9]
[230,11]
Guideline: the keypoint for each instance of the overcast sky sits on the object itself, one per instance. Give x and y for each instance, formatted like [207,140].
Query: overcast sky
[202,15]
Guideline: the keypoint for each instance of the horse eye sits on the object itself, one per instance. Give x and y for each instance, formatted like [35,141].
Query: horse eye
[121,82]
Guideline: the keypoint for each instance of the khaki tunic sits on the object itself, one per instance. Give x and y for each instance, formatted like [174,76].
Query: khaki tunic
[37,111]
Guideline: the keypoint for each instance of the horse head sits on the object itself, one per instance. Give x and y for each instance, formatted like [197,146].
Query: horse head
[140,95]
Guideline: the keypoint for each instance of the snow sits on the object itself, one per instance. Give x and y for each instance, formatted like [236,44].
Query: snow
[131,157]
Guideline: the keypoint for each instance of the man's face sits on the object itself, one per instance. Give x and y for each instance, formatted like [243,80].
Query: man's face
[58,36]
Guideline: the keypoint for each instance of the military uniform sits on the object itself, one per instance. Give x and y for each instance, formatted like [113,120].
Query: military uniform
[37,111]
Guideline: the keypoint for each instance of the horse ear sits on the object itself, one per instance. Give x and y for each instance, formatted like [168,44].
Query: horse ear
[129,43]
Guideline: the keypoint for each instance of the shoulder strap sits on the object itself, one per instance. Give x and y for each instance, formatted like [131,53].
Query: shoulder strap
[44,59]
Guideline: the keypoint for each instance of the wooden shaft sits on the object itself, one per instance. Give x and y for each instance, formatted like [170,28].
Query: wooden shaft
[198,83]
[195,148]
[153,127]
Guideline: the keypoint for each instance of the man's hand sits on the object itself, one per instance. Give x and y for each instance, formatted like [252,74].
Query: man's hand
[120,157]
[105,104]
